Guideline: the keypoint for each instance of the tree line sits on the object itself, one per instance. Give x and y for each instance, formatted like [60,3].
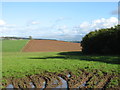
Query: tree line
[102,41]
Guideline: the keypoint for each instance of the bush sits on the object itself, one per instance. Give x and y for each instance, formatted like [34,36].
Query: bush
[103,41]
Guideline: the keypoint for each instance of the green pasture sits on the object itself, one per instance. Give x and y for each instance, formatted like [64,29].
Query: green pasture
[13,45]
[20,64]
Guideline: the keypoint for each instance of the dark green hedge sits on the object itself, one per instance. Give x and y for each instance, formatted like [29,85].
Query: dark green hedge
[103,41]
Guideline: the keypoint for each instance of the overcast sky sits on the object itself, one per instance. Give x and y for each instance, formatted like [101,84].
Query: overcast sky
[56,20]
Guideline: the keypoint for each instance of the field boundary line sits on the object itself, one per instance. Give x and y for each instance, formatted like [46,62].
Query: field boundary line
[25,46]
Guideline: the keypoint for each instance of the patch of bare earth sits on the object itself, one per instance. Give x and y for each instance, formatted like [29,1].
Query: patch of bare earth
[51,46]
[53,80]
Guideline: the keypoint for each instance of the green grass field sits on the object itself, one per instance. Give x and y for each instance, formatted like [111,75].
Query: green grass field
[13,45]
[19,64]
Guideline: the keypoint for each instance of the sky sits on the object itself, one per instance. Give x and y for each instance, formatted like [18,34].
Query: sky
[56,20]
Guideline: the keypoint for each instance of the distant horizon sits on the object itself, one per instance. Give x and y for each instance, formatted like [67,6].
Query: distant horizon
[39,38]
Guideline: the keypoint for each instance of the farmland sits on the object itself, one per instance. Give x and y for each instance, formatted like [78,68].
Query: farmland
[51,46]
[13,45]
[96,70]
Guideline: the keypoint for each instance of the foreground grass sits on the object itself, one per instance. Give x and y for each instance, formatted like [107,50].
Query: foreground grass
[13,45]
[16,64]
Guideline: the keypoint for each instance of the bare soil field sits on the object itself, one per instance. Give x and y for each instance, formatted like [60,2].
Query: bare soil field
[50,46]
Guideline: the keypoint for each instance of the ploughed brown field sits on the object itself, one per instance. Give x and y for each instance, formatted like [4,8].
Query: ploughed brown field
[51,46]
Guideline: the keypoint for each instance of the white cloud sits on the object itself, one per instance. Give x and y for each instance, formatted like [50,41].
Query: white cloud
[32,22]
[35,22]
[58,31]
[64,30]
[2,22]
[104,23]
[86,27]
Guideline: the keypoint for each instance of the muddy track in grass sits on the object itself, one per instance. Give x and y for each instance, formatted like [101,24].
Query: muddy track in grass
[61,80]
